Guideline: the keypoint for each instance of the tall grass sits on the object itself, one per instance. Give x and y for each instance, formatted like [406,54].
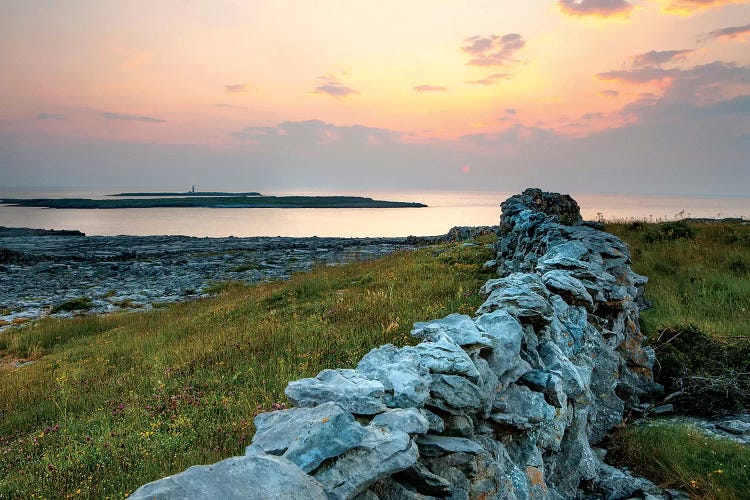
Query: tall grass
[679,456]
[699,274]
[699,286]
[118,400]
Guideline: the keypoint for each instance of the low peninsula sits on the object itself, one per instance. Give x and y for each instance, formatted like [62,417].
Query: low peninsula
[188,193]
[214,202]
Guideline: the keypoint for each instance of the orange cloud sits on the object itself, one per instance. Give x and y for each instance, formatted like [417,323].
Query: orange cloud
[687,7]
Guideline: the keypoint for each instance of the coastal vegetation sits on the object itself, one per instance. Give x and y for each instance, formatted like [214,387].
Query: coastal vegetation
[113,401]
[117,400]
[699,325]
[213,202]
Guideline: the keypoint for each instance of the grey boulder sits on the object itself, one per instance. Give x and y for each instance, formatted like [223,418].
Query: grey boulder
[306,436]
[348,388]
[404,377]
[263,477]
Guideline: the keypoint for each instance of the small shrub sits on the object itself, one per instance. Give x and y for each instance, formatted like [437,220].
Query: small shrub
[79,304]
[708,376]
[668,231]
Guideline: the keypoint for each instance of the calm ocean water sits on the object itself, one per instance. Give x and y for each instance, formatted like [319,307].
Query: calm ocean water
[445,210]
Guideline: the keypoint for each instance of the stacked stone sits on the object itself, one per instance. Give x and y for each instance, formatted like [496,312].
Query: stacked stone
[505,405]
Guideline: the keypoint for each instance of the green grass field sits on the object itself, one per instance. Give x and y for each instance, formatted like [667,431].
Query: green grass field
[699,284]
[118,400]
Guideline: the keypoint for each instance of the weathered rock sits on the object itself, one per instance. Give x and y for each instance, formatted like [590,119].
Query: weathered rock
[435,446]
[505,334]
[568,287]
[522,295]
[735,427]
[350,389]
[455,394]
[458,327]
[263,477]
[616,484]
[410,420]
[424,481]
[520,401]
[380,454]
[306,436]
[443,356]
[405,378]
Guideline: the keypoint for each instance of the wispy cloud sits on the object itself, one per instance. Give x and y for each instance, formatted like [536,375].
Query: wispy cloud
[610,93]
[493,50]
[729,33]
[227,106]
[690,6]
[491,80]
[639,75]
[236,88]
[315,134]
[699,83]
[511,111]
[599,8]
[331,86]
[429,88]
[107,115]
[50,116]
[661,57]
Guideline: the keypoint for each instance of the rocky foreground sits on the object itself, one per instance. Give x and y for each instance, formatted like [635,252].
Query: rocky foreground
[67,273]
[512,403]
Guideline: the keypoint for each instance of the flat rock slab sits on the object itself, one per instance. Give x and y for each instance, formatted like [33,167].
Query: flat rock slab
[436,446]
[306,436]
[349,389]
[262,477]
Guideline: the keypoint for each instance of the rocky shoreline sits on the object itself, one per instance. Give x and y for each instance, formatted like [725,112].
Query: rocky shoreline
[41,272]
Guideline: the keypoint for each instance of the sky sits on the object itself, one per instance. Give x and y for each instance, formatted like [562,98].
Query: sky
[616,96]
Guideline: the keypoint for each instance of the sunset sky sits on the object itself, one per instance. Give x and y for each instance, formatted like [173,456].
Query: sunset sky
[636,96]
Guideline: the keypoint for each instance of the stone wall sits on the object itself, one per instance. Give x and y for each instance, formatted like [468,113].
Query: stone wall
[508,404]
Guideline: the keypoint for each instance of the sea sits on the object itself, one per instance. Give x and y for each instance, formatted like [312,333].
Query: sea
[445,209]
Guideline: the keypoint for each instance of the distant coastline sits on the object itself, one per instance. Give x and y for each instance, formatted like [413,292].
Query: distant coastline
[206,201]
[189,193]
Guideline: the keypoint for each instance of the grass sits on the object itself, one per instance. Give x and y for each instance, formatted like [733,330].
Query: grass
[699,286]
[114,401]
[699,274]
[679,456]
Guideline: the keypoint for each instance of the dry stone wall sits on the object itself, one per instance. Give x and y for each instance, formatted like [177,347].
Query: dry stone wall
[509,404]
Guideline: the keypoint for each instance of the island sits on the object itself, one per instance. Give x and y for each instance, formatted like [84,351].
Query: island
[188,193]
[214,202]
